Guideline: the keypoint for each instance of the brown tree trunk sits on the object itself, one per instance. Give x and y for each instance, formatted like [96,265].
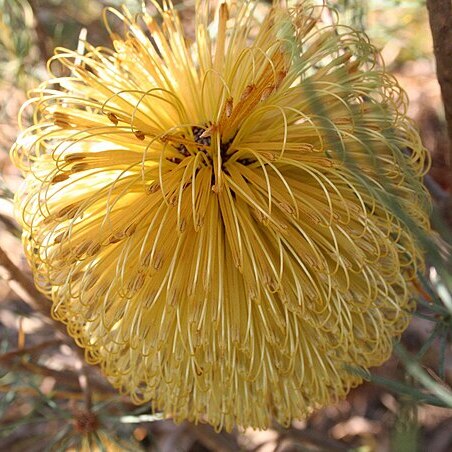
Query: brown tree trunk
[440,16]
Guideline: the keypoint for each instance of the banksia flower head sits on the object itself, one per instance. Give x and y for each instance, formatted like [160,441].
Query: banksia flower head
[211,216]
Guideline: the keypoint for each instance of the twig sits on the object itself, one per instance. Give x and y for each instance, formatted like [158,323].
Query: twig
[312,437]
[6,213]
[27,291]
[56,394]
[28,350]
[10,225]
[65,377]
[85,385]
[221,442]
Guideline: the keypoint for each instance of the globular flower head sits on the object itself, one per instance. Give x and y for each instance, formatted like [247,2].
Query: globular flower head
[210,214]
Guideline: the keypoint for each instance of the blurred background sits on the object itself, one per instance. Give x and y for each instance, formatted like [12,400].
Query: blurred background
[50,400]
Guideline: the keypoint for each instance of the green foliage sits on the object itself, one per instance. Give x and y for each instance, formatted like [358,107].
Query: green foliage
[18,53]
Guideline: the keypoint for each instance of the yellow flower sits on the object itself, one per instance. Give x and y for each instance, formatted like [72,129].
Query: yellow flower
[212,219]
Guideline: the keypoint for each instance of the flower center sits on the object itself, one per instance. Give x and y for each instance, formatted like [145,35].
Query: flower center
[202,137]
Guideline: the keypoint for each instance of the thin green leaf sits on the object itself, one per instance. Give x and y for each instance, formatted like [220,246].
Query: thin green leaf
[415,370]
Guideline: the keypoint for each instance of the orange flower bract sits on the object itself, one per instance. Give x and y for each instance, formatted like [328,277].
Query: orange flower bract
[210,216]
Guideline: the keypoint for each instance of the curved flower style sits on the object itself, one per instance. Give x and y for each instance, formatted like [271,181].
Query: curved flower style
[212,219]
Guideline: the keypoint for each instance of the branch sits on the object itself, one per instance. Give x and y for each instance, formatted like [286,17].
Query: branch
[440,16]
